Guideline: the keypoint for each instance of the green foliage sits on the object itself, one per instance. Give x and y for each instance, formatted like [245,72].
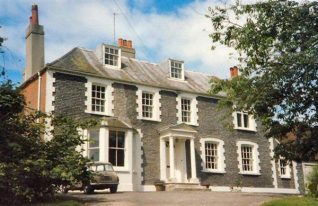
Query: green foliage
[313,182]
[294,201]
[277,45]
[32,169]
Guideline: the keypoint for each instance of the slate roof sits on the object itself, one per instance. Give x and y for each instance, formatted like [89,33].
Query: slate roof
[133,71]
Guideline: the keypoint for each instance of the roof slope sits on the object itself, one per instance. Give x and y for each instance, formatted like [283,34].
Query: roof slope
[83,61]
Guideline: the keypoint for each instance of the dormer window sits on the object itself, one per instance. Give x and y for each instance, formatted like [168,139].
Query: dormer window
[244,121]
[176,69]
[111,56]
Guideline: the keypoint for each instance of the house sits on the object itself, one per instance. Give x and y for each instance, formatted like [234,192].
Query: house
[157,121]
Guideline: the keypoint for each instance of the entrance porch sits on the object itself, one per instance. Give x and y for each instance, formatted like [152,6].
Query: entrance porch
[177,155]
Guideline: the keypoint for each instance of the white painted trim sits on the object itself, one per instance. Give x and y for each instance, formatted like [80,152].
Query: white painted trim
[182,70]
[295,173]
[194,109]
[109,98]
[288,170]
[156,113]
[256,162]
[119,57]
[255,190]
[141,155]
[274,173]
[49,103]
[220,153]
[252,123]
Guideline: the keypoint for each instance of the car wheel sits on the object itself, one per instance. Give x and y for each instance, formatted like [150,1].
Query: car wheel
[113,189]
[88,190]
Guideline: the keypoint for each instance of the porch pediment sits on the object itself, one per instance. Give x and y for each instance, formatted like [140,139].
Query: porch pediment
[177,130]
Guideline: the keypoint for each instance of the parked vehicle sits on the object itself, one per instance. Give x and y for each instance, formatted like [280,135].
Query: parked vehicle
[104,177]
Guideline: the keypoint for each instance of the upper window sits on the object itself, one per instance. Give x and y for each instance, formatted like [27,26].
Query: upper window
[187,109]
[176,69]
[93,145]
[284,168]
[99,98]
[148,103]
[212,155]
[117,148]
[111,56]
[248,158]
[244,121]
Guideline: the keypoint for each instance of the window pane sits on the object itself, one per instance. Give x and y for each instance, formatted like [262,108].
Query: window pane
[112,156]
[93,138]
[121,140]
[246,120]
[112,139]
[239,119]
[93,154]
[120,157]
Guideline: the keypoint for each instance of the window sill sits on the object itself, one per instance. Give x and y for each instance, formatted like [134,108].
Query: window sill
[107,66]
[177,80]
[285,177]
[250,173]
[99,113]
[151,120]
[245,129]
[188,123]
[213,171]
[121,169]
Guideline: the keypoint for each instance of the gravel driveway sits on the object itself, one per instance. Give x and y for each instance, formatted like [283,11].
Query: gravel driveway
[174,198]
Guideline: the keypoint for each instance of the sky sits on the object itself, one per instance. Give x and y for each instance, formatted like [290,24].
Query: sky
[159,29]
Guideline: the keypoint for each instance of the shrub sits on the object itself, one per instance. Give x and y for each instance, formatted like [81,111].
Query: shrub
[313,182]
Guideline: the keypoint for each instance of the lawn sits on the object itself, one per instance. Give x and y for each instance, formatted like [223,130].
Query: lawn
[293,201]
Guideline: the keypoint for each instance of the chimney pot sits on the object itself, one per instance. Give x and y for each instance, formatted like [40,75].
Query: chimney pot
[35,15]
[125,43]
[120,42]
[234,71]
[129,44]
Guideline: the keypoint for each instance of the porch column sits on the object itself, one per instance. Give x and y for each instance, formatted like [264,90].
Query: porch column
[171,152]
[163,159]
[193,164]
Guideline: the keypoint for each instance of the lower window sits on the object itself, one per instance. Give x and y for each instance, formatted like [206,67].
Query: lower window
[117,148]
[247,158]
[93,145]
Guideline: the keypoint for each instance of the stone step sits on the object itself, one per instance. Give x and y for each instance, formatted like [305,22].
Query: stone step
[185,187]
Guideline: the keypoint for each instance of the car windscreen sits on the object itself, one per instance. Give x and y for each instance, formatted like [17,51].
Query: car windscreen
[101,168]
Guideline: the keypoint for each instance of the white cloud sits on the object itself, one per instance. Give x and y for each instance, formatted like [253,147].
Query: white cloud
[182,34]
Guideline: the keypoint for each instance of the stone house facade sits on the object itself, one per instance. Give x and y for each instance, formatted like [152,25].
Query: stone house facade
[157,121]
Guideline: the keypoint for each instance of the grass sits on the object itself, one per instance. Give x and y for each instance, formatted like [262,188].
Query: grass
[293,201]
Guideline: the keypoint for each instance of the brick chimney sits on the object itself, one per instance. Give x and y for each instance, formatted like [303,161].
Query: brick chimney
[34,45]
[234,71]
[126,48]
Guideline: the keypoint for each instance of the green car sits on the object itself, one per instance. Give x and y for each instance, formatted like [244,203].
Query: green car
[104,177]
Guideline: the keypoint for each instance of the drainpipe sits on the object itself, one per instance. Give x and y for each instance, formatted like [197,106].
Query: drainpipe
[39,91]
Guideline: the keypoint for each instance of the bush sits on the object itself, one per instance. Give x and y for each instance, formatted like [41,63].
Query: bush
[313,182]
[32,169]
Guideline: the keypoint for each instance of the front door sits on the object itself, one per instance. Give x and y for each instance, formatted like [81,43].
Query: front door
[180,161]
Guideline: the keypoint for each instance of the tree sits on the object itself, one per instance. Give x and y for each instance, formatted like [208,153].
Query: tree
[32,169]
[277,49]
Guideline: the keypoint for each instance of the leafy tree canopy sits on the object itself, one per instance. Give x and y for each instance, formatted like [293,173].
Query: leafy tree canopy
[32,169]
[277,45]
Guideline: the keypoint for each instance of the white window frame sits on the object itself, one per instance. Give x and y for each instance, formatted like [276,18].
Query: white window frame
[118,148]
[93,148]
[194,109]
[220,155]
[108,96]
[156,112]
[104,146]
[182,69]
[118,66]
[251,121]
[255,156]
[287,174]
